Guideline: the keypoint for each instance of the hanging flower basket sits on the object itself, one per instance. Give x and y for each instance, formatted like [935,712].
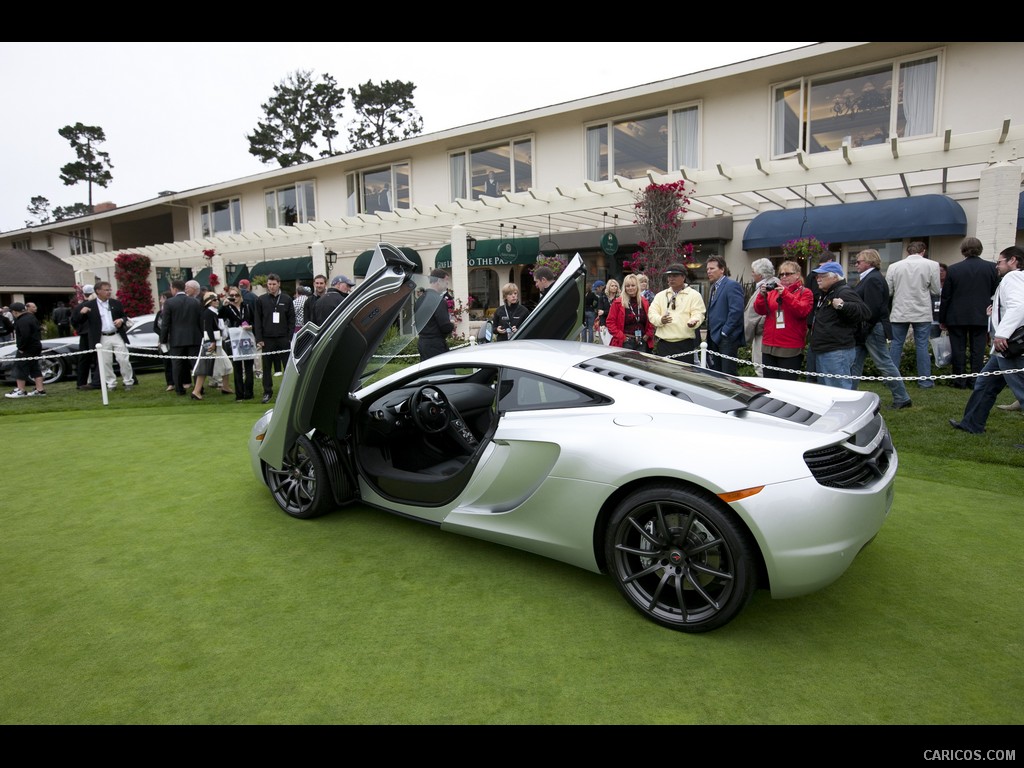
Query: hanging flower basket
[805,249]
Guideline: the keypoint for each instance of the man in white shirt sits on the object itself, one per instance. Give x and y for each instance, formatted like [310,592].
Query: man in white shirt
[912,282]
[108,325]
[1007,316]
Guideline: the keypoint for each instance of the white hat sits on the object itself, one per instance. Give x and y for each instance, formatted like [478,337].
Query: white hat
[88,289]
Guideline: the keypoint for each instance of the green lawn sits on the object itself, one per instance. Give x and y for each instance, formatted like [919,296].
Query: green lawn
[148,578]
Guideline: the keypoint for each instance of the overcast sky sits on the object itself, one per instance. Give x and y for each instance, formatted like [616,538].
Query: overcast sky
[176,114]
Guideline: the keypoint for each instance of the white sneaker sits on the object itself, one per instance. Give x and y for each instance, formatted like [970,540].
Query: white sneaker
[37,393]
[16,394]
[1014,406]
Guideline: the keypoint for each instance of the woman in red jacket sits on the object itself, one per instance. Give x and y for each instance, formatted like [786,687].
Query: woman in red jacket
[785,306]
[627,318]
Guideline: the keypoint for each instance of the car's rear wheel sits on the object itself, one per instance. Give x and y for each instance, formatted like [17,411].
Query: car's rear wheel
[53,369]
[301,487]
[679,558]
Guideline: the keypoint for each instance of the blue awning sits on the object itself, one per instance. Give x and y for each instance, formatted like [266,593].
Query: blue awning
[1020,211]
[923,216]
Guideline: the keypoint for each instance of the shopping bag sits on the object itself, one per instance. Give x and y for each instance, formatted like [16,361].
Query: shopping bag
[606,335]
[243,343]
[942,350]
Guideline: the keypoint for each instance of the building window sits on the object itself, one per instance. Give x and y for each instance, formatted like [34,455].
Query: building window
[21,245]
[491,170]
[294,204]
[380,189]
[857,109]
[223,217]
[662,142]
[80,241]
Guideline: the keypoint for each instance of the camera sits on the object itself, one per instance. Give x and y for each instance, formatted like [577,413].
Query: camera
[771,284]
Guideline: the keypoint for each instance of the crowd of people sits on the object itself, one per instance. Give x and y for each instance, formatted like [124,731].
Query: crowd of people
[821,329]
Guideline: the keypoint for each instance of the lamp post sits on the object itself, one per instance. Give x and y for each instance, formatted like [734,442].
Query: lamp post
[331,258]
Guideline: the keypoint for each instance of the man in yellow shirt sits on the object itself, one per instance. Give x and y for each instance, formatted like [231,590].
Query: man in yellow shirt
[676,313]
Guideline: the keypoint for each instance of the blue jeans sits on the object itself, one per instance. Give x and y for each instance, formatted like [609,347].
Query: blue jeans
[839,362]
[875,345]
[987,388]
[588,326]
[922,333]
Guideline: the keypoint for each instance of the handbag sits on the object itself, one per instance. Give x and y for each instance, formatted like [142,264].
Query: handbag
[243,343]
[942,350]
[1015,344]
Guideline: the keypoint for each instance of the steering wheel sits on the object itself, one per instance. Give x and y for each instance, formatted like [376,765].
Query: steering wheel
[431,411]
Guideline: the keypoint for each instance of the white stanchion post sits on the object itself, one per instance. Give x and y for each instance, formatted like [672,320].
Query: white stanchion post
[103,379]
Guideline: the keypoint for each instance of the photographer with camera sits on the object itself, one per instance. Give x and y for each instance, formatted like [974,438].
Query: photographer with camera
[785,304]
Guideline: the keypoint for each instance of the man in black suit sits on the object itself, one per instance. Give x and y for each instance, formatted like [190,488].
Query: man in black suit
[88,371]
[273,329]
[181,330]
[963,310]
[875,331]
[108,325]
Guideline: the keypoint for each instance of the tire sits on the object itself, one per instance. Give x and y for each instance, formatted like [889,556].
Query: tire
[680,559]
[53,369]
[302,486]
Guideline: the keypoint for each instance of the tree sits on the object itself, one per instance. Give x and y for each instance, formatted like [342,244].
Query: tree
[39,208]
[60,213]
[92,164]
[298,112]
[385,114]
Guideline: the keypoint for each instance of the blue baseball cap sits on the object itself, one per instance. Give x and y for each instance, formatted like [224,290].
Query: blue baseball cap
[829,267]
[598,284]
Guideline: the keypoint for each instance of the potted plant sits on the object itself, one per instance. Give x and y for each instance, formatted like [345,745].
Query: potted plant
[805,249]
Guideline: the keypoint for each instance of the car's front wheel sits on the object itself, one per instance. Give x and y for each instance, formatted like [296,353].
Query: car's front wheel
[301,487]
[680,559]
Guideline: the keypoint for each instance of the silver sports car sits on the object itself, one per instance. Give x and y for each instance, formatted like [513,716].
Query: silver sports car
[689,487]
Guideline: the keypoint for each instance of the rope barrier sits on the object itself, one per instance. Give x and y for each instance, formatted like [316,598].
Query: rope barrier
[703,351]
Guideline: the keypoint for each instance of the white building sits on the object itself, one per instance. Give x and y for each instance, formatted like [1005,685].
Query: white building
[857,143]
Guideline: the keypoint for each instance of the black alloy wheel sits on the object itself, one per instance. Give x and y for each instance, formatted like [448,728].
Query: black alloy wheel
[680,559]
[302,487]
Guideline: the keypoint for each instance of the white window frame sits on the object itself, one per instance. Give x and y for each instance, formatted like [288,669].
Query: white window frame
[207,217]
[21,245]
[397,192]
[801,93]
[682,151]
[80,241]
[461,166]
[305,203]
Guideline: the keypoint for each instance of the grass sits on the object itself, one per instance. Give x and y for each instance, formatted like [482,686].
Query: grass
[148,578]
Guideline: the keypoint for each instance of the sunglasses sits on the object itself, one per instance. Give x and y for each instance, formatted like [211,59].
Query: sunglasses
[788,274]
[672,303]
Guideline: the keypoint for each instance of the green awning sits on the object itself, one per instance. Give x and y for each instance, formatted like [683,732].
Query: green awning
[203,276]
[241,273]
[362,262]
[299,268]
[494,253]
